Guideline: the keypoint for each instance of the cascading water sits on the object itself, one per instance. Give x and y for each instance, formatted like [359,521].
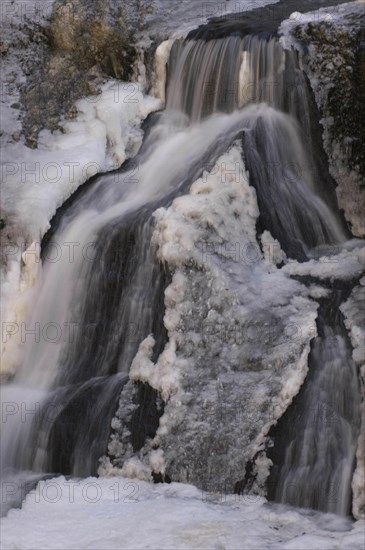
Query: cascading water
[315,442]
[113,301]
[210,67]
[316,457]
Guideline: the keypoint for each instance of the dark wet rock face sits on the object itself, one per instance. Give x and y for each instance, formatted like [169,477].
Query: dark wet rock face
[346,72]
[335,63]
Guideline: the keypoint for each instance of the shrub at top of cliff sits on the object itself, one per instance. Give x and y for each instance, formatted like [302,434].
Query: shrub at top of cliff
[93,33]
[87,41]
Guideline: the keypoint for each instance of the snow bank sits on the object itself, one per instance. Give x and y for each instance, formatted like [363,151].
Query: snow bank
[120,513]
[105,133]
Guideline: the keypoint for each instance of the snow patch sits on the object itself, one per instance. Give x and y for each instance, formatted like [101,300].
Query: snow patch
[117,513]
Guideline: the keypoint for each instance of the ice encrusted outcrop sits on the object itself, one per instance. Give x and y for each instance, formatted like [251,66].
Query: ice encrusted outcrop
[239,332]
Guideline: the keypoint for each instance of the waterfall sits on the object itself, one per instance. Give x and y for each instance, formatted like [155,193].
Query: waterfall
[110,295]
[109,298]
